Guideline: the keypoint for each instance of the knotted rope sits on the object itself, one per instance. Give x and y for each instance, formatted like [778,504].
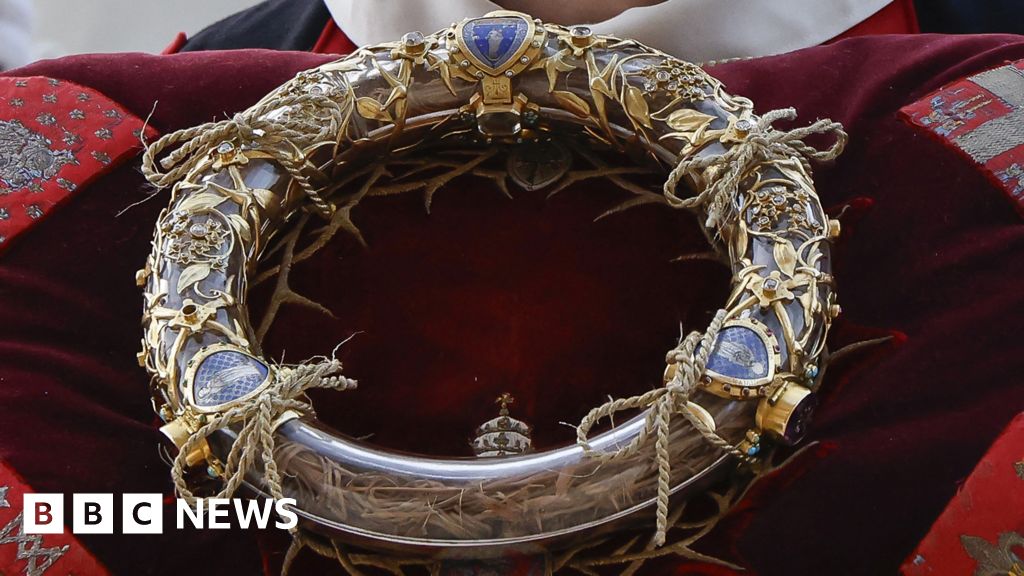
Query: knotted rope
[257,417]
[762,144]
[283,125]
[664,403]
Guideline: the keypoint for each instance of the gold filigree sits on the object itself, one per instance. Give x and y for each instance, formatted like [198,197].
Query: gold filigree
[191,241]
[772,199]
[339,134]
[678,80]
[772,288]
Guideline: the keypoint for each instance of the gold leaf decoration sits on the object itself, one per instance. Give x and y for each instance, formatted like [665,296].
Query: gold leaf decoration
[636,106]
[400,108]
[347,65]
[241,226]
[442,69]
[601,80]
[690,122]
[200,201]
[572,103]
[372,110]
[263,197]
[191,275]
[554,65]
[236,194]
[785,257]
[600,88]
[740,243]
[388,77]
[808,300]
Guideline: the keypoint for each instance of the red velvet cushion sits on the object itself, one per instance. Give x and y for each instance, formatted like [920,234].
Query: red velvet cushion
[488,294]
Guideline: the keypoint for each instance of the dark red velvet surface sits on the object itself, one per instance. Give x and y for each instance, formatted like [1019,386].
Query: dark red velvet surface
[488,294]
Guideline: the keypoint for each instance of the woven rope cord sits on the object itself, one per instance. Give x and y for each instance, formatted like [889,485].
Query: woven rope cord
[664,403]
[284,136]
[763,144]
[257,417]
[268,124]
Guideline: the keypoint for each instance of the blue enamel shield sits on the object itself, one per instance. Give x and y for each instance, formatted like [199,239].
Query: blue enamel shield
[740,353]
[225,376]
[495,41]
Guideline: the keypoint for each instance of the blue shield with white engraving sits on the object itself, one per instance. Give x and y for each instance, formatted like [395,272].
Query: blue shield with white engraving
[225,376]
[739,353]
[495,41]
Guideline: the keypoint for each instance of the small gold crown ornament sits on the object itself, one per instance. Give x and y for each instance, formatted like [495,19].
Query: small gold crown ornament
[504,435]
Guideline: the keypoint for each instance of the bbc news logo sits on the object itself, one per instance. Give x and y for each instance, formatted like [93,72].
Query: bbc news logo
[144,514]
